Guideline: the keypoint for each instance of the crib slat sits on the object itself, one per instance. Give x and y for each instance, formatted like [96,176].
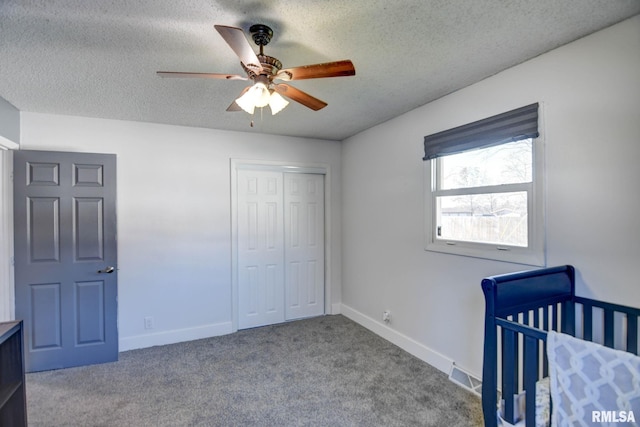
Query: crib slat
[545,363]
[526,320]
[568,321]
[608,327]
[536,324]
[545,318]
[530,377]
[509,373]
[503,350]
[632,333]
[587,322]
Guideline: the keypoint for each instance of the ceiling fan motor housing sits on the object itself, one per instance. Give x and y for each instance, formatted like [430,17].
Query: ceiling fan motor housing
[270,65]
[261,34]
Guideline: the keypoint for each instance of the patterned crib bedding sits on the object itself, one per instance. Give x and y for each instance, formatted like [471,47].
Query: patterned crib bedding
[590,382]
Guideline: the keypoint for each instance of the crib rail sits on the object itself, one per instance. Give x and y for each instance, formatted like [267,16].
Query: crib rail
[609,311]
[538,298]
[520,309]
[532,338]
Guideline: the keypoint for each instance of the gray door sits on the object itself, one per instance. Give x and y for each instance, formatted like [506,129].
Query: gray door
[65,257]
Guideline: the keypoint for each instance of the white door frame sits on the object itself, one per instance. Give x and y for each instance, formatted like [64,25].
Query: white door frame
[288,167]
[7,293]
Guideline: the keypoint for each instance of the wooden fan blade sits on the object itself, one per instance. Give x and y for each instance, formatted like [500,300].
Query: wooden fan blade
[236,39]
[201,75]
[234,106]
[300,96]
[316,71]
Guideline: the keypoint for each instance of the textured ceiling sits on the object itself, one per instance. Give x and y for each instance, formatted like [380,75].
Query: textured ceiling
[99,58]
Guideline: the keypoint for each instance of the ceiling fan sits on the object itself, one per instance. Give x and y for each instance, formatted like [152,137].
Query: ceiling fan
[264,71]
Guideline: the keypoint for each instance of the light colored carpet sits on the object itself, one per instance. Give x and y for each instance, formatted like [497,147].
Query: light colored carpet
[326,371]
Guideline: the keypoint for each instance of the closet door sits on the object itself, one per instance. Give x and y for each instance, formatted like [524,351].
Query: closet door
[304,245]
[280,244]
[260,248]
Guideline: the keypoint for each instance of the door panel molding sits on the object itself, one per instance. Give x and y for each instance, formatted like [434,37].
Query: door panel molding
[46,319]
[284,167]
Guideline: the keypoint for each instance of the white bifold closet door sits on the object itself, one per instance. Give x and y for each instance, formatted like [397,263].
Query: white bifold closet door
[280,247]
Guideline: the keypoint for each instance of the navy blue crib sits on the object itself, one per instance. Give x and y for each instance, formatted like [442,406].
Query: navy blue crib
[520,308]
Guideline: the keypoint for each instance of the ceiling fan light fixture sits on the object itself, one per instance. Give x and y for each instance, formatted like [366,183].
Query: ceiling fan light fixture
[257,96]
[260,96]
[277,103]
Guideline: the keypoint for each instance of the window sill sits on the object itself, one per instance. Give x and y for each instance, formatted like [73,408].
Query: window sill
[490,252]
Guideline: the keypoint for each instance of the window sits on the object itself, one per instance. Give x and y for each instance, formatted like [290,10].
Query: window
[484,189]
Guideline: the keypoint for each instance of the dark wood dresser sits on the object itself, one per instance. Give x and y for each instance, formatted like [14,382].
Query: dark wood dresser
[13,401]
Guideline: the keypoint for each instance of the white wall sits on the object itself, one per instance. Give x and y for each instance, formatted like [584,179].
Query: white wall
[9,125]
[589,92]
[174,215]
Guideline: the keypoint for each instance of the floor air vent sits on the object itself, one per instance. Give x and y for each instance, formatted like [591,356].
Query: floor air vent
[464,379]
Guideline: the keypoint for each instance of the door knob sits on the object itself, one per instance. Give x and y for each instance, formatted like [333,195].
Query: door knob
[107,270]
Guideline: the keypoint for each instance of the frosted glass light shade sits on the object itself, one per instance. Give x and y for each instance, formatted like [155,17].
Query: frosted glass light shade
[246,102]
[257,96]
[262,94]
[277,103]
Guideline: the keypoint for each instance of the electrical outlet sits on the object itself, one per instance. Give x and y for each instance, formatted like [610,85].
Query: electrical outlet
[148,322]
[386,316]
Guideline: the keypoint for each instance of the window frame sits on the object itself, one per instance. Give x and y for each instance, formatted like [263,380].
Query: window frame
[534,254]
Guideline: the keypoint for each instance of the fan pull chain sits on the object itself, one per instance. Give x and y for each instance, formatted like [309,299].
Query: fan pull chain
[251,123]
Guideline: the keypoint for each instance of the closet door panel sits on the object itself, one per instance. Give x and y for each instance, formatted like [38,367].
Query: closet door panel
[304,245]
[260,248]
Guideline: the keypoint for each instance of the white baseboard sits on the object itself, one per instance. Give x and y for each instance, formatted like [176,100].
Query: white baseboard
[409,345]
[174,336]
